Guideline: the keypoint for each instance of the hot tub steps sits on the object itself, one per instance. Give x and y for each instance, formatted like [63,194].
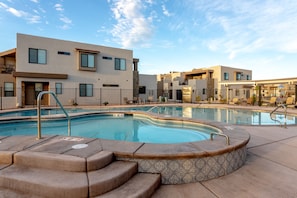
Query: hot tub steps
[56,175]
[140,185]
[44,182]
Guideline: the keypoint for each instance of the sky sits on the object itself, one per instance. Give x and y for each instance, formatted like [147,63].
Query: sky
[168,35]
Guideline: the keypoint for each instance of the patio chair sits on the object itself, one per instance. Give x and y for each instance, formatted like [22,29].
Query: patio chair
[234,101]
[290,102]
[150,99]
[272,102]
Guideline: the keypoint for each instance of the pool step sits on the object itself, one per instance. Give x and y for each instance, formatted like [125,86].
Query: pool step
[111,177]
[140,185]
[6,158]
[44,182]
[56,175]
[4,192]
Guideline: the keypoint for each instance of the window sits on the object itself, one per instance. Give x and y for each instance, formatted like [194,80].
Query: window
[238,75]
[58,88]
[8,89]
[142,89]
[107,58]
[226,76]
[203,91]
[248,77]
[110,85]
[120,64]
[87,60]
[236,92]
[37,56]
[64,53]
[85,90]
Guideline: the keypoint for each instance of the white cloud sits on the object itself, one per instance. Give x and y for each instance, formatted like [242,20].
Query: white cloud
[34,19]
[3,5]
[132,27]
[65,20]
[35,1]
[17,13]
[249,26]
[165,11]
[59,7]
[30,18]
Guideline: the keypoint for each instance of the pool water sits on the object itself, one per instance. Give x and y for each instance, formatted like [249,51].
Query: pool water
[126,128]
[33,112]
[230,116]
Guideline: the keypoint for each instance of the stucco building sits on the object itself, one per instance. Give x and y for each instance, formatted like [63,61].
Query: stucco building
[204,83]
[78,73]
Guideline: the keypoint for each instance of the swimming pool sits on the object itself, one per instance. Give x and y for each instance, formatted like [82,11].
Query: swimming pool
[185,162]
[225,115]
[114,127]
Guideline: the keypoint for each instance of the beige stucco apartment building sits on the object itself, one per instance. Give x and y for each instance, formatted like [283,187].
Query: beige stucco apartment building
[204,83]
[78,73]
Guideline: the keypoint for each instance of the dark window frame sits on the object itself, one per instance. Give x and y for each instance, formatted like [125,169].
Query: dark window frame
[59,90]
[226,76]
[142,90]
[8,93]
[83,90]
[35,56]
[118,64]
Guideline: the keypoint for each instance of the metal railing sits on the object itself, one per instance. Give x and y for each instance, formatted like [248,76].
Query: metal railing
[39,112]
[220,134]
[285,108]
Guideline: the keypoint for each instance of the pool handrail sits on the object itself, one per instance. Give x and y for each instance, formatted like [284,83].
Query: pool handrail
[220,134]
[277,107]
[39,112]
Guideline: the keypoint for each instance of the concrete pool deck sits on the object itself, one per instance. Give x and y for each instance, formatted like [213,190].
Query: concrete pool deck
[270,169]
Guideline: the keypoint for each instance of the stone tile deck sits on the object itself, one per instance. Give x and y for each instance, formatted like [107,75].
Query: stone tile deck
[270,170]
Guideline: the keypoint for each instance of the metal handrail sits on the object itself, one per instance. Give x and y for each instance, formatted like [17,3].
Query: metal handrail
[39,112]
[151,108]
[220,134]
[285,108]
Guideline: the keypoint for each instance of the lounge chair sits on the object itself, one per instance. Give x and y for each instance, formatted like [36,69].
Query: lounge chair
[290,102]
[150,99]
[249,101]
[272,102]
[234,101]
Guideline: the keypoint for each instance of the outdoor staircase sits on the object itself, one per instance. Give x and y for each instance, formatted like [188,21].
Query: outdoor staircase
[36,174]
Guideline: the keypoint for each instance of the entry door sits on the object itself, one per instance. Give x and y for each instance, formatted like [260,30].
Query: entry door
[30,94]
[32,89]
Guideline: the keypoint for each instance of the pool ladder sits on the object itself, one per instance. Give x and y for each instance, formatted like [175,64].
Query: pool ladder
[220,134]
[39,112]
[285,108]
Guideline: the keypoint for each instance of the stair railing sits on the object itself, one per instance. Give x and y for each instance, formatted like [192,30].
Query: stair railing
[39,112]
[277,107]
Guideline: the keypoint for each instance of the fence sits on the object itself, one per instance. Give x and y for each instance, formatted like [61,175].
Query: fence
[116,96]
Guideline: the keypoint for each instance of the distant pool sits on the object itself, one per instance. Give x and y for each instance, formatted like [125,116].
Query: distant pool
[225,115]
[123,128]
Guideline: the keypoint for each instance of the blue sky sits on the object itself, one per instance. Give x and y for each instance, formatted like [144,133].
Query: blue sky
[168,35]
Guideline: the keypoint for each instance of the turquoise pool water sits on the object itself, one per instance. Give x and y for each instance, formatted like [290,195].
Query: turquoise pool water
[33,112]
[230,116]
[126,128]
[226,115]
